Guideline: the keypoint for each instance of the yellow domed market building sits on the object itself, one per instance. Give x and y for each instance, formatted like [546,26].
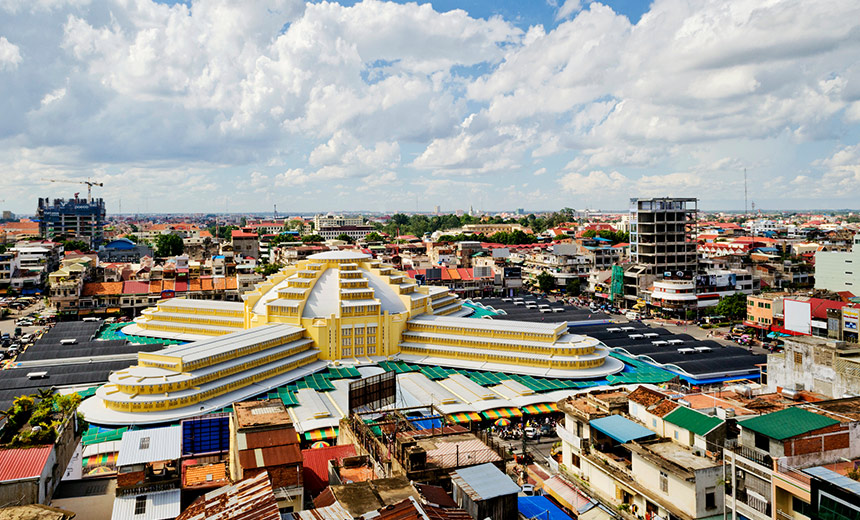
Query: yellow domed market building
[338,308]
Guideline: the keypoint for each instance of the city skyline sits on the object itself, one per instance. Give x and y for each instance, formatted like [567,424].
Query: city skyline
[206,106]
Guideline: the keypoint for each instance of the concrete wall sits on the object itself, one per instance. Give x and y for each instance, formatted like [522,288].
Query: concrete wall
[20,492]
[838,271]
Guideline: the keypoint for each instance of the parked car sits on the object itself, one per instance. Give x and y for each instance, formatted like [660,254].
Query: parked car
[528,489]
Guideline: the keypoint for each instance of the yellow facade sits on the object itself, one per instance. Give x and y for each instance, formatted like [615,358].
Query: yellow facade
[332,306]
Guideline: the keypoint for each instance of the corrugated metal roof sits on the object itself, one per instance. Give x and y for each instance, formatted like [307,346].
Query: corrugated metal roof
[315,465]
[691,420]
[620,428]
[248,499]
[157,506]
[834,478]
[267,457]
[23,462]
[332,512]
[786,423]
[142,446]
[483,482]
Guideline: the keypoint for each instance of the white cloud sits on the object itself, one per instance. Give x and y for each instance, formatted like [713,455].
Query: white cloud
[10,55]
[374,96]
[568,8]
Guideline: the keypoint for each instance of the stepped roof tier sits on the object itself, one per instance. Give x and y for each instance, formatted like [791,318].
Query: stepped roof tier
[339,306]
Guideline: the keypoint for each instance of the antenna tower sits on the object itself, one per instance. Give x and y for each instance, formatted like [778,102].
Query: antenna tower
[745,191]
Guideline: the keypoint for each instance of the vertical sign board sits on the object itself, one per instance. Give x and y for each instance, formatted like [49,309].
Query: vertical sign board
[851,318]
[373,392]
[798,316]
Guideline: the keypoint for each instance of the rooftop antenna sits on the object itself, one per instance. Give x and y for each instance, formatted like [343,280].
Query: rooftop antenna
[745,191]
[276,212]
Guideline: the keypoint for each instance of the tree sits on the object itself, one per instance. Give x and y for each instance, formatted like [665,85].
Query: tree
[373,237]
[546,282]
[75,245]
[345,238]
[733,307]
[573,287]
[169,245]
[268,269]
[312,238]
[133,238]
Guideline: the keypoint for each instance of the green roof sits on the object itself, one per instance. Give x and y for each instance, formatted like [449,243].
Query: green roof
[787,423]
[691,420]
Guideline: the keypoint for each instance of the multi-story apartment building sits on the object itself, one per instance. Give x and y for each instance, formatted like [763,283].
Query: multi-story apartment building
[76,218]
[764,477]
[563,262]
[838,271]
[633,469]
[661,244]
[334,221]
[245,243]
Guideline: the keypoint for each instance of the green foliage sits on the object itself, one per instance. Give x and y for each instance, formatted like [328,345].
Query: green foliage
[222,232]
[573,287]
[29,424]
[344,237]
[373,237]
[616,237]
[76,245]
[545,282]
[312,238]
[734,306]
[268,269]
[514,237]
[133,238]
[2,249]
[169,245]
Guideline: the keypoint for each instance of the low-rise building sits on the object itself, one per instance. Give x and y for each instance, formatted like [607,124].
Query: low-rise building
[825,366]
[632,469]
[123,250]
[484,491]
[263,440]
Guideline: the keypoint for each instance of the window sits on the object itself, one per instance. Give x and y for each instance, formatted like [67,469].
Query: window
[346,342]
[346,351]
[359,351]
[140,501]
[664,482]
[799,506]
[798,358]
[654,422]
[371,351]
[359,340]
[676,435]
[144,445]
[710,498]
[762,442]
[371,340]
[346,331]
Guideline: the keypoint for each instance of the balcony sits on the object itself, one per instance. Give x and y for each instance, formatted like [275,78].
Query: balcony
[759,457]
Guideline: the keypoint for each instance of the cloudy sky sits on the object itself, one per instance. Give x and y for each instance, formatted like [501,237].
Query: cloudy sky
[213,105]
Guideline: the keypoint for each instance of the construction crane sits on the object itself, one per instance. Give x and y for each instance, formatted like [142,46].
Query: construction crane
[89,184]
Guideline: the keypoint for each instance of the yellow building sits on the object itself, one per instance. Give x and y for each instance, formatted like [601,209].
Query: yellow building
[338,306]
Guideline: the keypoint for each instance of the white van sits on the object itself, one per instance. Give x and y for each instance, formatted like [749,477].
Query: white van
[633,315]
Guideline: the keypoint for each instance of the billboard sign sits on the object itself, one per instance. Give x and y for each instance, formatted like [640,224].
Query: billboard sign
[798,316]
[373,393]
[850,318]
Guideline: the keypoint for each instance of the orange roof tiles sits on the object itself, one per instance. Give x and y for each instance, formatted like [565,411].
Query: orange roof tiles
[206,474]
[101,288]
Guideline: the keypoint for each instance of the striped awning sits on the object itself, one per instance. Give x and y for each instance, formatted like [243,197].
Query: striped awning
[499,413]
[464,417]
[321,434]
[537,409]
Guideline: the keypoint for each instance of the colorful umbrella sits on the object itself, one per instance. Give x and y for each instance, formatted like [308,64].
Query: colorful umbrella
[503,422]
[319,444]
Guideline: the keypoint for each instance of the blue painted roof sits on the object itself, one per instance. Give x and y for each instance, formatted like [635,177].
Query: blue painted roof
[540,507]
[486,480]
[834,478]
[620,428]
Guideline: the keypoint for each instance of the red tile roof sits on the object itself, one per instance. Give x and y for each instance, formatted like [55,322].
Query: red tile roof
[23,463]
[135,287]
[241,234]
